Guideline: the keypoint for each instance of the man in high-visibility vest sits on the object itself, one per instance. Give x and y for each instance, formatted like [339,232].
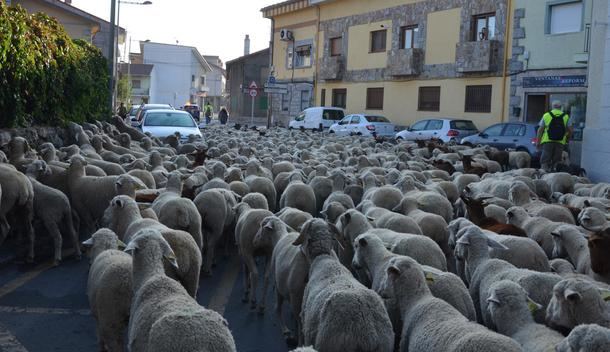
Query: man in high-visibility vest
[554,132]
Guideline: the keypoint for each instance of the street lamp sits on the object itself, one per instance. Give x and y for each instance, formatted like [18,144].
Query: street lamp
[113,40]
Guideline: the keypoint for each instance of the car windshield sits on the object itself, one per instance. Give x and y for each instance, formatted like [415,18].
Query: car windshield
[152,107]
[133,110]
[462,125]
[174,119]
[334,115]
[372,118]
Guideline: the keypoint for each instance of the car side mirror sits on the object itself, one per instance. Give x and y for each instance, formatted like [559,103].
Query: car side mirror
[483,135]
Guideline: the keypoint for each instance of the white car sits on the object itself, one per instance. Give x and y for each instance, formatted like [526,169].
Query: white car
[316,118]
[162,123]
[444,129]
[363,125]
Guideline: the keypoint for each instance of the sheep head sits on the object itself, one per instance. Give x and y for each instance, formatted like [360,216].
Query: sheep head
[599,246]
[149,245]
[403,279]
[102,240]
[317,237]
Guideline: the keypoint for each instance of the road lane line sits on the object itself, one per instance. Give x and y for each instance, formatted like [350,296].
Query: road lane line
[8,341]
[42,310]
[224,289]
[28,276]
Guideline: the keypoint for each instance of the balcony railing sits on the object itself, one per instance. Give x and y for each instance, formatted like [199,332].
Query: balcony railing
[405,62]
[480,56]
[331,68]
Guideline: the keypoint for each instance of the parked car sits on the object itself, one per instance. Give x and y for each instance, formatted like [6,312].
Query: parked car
[131,113]
[515,135]
[445,129]
[137,120]
[162,123]
[194,110]
[316,118]
[363,125]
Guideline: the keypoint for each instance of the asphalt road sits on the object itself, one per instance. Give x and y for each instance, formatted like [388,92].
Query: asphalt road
[45,308]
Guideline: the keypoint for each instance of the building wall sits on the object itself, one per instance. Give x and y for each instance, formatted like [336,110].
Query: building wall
[77,27]
[240,73]
[171,78]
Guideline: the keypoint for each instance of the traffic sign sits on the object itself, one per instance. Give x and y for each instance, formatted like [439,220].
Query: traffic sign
[253,85]
[276,90]
[276,85]
[271,79]
[253,93]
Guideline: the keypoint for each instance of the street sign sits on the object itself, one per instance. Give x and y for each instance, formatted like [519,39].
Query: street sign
[253,85]
[276,90]
[271,79]
[276,85]
[253,93]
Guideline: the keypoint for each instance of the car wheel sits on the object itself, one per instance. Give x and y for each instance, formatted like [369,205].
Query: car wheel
[321,128]
[302,129]
[290,128]
[468,144]
[359,134]
[331,131]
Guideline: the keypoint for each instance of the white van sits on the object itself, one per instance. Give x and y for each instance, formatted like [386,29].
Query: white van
[317,118]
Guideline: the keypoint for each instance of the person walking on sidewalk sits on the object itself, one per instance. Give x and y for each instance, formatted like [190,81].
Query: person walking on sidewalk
[208,111]
[554,132]
[223,115]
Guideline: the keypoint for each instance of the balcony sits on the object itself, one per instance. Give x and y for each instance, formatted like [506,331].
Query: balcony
[331,68]
[481,56]
[140,92]
[405,62]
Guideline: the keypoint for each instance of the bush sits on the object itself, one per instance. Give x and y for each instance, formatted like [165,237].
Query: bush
[46,77]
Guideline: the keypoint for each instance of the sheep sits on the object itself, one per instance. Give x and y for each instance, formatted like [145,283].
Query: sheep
[289,267]
[256,201]
[163,310]
[123,217]
[434,203]
[300,196]
[339,313]
[52,209]
[264,186]
[511,312]
[248,222]
[332,211]
[293,217]
[520,194]
[476,214]
[177,212]
[519,159]
[576,301]
[215,207]
[600,190]
[17,202]
[473,247]
[429,323]
[372,256]
[109,288]
[386,197]
[398,223]
[593,219]
[337,194]
[586,337]
[560,182]
[537,228]
[322,187]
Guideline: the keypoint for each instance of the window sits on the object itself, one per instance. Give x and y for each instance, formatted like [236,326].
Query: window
[378,41]
[332,115]
[429,99]
[323,98]
[565,17]
[355,120]
[478,99]
[419,126]
[374,98]
[301,117]
[290,57]
[302,56]
[305,99]
[339,98]
[514,130]
[335,46]
[192,78]
[484,27]
[462,125]
[202,80]
[345,121]
[285,101]
[408,37]
[136,83]
[493,131]
[435,125]
[376,118]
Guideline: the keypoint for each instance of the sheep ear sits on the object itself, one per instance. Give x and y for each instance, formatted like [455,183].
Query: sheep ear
[121,244]
[88,243]
[370,218]
[119,203]
[362,242]
[605,294]
[463,240]
[571,295]
[268,225]
[131,247]
[494,244]
[393,270]
[170,257]
[118,183]
[533,306]
[587,203]
[301,239]
[493,298]
[345,219]
[430,276]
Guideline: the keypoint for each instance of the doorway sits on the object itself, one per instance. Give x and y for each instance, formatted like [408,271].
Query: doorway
[536,106]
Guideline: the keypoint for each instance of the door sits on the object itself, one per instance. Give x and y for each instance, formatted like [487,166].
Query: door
[417,130]
[433,129]
[491,135]
[512,136]
[341,129]
[536,106]
[354,124]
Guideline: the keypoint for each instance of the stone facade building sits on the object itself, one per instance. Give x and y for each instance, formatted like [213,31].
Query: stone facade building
[404,59]
[241,72]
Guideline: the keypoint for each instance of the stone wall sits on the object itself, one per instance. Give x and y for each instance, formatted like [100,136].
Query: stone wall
[288,105]
[37,136]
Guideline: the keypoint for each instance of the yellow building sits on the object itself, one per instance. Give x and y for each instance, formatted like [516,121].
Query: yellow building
[405,59]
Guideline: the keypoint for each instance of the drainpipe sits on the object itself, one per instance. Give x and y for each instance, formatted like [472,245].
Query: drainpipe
[507,31]
[269,99]
[317,62]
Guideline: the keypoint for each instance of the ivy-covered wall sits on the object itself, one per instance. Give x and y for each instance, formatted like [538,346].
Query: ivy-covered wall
[46,78]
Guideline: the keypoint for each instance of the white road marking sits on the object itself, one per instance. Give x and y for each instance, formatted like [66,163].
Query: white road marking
[8,342]
[42,310]
[223,290]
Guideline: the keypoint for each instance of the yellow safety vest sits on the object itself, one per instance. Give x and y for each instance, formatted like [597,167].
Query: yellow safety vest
[547,120]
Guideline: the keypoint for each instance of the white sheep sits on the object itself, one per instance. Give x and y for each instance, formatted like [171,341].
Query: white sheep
[163,310]
[586,337]
[256,200]
[537,228]
[339,314]
[560,182]
[519,159]
[473,247]
[299,195]
[521,195]
[109,288]
[576,301]
[511,312]
[429,323]
[594,219]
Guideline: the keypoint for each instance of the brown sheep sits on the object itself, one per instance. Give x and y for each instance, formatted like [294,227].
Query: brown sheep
[500,156]
[599,247]
[469,169]
[476,214]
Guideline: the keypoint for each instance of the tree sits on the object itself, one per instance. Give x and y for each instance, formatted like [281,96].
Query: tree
[123,93]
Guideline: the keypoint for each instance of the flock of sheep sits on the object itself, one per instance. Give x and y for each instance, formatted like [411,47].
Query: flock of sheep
[373,245]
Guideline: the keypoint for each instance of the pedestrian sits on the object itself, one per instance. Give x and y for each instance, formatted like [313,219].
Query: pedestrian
[554,132]
[122,111]
[223,115]
[208,111]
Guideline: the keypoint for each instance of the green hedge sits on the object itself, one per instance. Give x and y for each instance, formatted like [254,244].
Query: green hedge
[46,78]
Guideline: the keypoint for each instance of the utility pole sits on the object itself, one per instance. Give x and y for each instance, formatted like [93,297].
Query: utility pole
[111,54]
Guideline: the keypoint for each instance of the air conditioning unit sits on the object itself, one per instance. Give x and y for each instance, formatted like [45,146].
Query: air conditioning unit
[286,35]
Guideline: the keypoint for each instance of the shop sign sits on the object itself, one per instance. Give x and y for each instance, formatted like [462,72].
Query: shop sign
[555,81]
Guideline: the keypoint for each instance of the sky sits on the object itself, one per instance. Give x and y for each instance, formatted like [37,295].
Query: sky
[215,27]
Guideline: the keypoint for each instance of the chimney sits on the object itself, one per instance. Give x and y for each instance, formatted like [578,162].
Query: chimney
[247,45]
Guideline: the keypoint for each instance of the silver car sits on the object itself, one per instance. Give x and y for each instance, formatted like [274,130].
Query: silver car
[445,129]
[363,125]
[162,123]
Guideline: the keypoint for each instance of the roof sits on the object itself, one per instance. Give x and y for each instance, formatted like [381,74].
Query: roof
[194,50]
[284,7]
[136,69]
[76,11]
[260,52]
